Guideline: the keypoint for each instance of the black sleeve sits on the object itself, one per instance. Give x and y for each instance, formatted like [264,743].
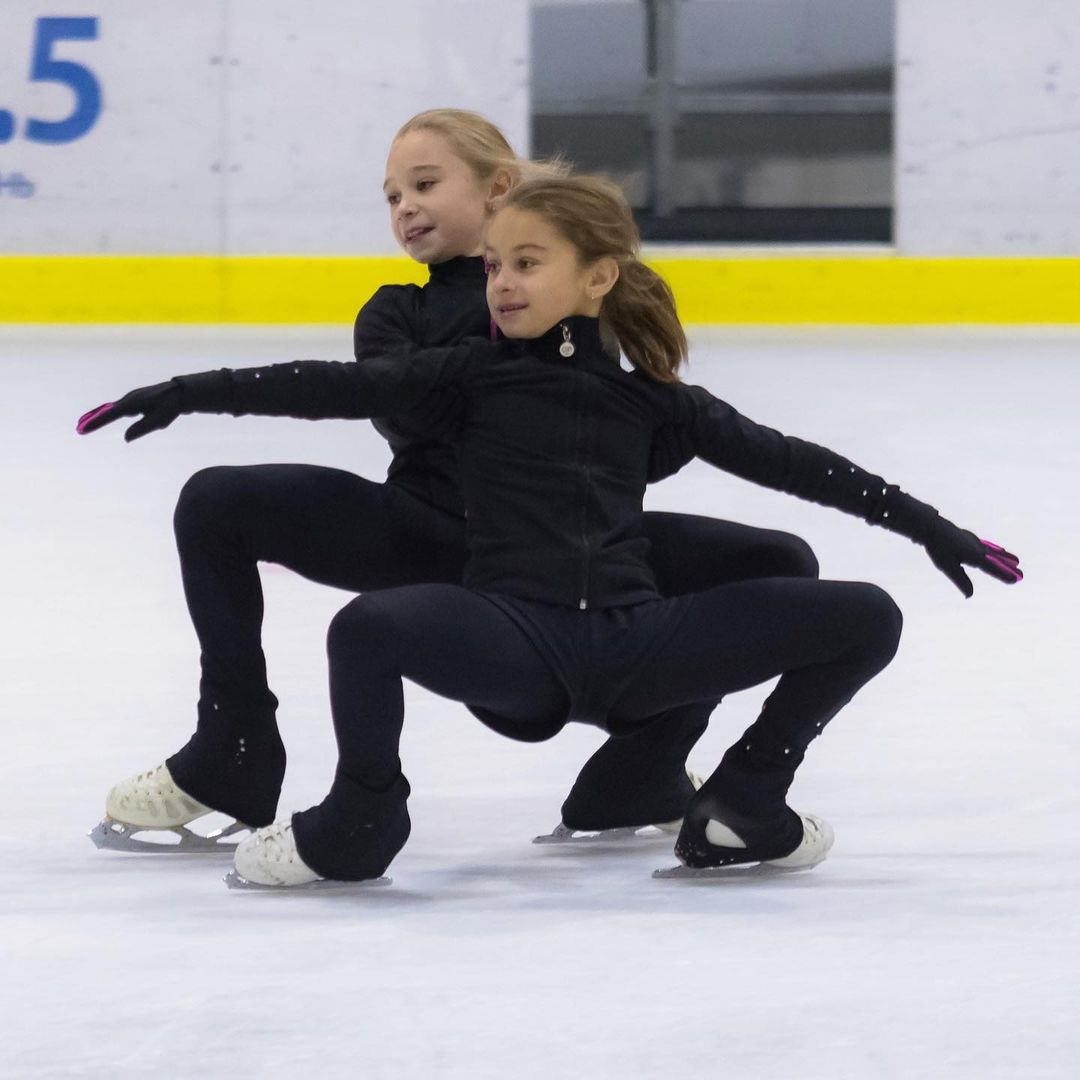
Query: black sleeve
[388,320]
[392,319]
[324,390]
[732,442]
[672,448]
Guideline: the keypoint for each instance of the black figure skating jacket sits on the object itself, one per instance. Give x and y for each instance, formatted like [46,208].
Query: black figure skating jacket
[445,311]
[555,453]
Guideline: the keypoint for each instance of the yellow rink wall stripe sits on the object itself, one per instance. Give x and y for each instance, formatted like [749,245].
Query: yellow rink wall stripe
[193,288]
[884,288]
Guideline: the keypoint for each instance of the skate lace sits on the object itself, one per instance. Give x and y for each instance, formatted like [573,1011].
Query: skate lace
[276,841]
[158,776]
[815,833]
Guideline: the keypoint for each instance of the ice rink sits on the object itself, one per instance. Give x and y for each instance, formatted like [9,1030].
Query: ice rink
[940,939]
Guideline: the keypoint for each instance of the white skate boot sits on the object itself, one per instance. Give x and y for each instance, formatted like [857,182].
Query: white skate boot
[564,834]
[817,840]
[150,803]
[268,860]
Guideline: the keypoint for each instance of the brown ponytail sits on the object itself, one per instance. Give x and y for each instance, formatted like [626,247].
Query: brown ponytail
[593,215]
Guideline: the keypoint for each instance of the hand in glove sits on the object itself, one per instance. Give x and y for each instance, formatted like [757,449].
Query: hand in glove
[160,405]
[951,548]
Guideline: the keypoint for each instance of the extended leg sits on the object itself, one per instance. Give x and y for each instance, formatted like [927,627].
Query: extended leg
[445,638]
[328,525]
[641,779]
[824,639]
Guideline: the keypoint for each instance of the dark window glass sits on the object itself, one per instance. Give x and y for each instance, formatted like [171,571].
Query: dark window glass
[738,120]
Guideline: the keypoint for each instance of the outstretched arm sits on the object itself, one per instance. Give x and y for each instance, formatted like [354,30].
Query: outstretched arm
[730,441]
[304,389]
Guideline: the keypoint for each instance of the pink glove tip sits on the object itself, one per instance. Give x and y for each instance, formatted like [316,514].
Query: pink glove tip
[998,549]
[93,414]
[1009,566]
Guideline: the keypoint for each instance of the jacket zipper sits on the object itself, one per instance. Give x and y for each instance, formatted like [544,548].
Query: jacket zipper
[586,476]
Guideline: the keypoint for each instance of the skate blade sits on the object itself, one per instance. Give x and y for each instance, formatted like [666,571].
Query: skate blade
[562,834]
[732,872]
[110,835]
[235,881]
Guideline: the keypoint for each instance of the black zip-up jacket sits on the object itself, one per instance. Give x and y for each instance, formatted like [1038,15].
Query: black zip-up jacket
[555,453]
[448,309]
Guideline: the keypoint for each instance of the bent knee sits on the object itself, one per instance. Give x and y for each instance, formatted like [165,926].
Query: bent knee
[207,495]
[363,626]
[797,557]
[886,619]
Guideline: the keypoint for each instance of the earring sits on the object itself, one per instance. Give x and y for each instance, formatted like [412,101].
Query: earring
[566,349]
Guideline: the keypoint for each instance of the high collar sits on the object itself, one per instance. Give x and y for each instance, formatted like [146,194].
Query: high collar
[460,270]
[581,331]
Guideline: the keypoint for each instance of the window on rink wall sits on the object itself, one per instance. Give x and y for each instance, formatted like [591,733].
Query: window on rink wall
[725,120]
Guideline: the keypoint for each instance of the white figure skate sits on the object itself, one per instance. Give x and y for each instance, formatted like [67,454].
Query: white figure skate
[661,830]
[268,861]
[145,812]
[817,839]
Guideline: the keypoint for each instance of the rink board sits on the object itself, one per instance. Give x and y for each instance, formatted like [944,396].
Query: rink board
[742,287]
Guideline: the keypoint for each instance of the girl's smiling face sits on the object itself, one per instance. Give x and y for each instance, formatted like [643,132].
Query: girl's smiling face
[535,276]
[438,206]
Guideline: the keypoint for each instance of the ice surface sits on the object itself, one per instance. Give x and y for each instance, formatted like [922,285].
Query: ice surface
[940,939]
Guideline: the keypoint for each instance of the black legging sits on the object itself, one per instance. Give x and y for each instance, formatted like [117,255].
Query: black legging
[533,664]
[339,529]
[616,668]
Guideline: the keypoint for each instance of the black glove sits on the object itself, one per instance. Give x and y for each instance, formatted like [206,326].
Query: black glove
[160,405]
[951,548]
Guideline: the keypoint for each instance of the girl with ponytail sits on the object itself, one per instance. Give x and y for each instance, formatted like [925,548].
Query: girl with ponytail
[559,617]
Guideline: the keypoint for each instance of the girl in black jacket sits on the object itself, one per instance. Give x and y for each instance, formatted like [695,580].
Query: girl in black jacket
[340,529]
[559,617]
